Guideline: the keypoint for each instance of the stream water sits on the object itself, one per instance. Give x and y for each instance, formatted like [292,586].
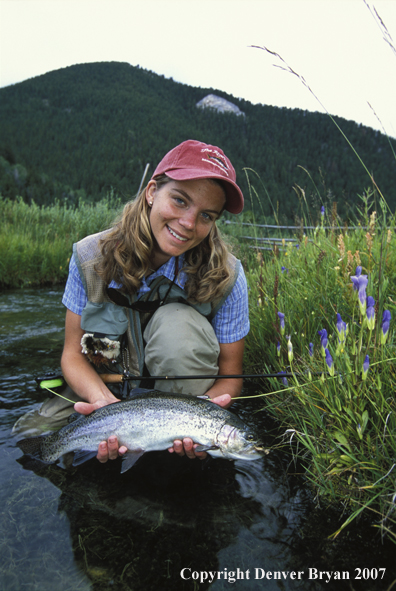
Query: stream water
[169,522]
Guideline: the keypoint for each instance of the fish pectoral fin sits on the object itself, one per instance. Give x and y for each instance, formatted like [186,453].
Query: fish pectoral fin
[206,447]
[82,456]
[130,458]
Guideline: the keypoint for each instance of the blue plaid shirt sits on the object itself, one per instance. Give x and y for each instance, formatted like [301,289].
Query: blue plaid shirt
[231,323]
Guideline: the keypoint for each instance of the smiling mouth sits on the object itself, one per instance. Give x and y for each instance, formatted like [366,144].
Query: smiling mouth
[176,235]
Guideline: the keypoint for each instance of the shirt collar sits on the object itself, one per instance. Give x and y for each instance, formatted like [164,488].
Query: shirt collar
[166,270]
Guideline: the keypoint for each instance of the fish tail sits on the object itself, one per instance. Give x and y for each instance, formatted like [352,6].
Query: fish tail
[32,446]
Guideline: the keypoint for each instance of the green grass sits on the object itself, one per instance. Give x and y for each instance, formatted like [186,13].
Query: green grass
[339,422]
[36,241]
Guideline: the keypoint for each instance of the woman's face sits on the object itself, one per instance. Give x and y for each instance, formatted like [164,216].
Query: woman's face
[182,215]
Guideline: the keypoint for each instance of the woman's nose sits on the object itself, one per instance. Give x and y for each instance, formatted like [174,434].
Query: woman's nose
[188,220]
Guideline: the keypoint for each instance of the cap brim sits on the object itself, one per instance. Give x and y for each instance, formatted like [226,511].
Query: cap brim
[234,195]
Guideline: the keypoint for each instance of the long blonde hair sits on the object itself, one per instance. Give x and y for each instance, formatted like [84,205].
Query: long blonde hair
[127,246]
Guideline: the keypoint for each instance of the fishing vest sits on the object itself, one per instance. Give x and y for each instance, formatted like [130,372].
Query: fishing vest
[102,316]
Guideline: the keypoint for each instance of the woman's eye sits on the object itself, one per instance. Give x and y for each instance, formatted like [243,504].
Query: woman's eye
[207,217]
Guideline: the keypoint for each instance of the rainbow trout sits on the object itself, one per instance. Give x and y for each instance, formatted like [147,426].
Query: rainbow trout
[149,422]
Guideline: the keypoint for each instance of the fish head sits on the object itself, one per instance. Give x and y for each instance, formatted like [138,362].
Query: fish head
[239,444]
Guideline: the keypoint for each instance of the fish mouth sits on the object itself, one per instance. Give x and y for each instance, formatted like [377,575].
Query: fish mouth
[255,450]
[262,451]
[250,452]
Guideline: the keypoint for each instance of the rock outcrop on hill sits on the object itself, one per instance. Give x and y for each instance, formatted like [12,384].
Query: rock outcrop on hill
[211,101]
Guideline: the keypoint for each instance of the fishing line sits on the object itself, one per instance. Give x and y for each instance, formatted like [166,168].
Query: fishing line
[57,394]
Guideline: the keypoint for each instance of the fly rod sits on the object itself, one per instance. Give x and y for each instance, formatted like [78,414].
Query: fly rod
[110,378]
[56,381]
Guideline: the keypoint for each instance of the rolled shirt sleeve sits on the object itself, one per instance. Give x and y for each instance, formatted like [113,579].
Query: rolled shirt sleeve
[231,322]
[74,297]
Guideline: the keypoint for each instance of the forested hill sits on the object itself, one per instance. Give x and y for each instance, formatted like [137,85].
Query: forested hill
[85,130]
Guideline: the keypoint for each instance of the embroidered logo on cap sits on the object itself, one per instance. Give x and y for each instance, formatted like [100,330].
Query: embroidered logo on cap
[214,157]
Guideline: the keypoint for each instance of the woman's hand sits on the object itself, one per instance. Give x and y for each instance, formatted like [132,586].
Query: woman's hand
[222,392]
[187,446]
[107,450]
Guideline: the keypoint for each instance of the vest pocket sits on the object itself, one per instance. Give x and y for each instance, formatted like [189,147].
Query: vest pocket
[104,319]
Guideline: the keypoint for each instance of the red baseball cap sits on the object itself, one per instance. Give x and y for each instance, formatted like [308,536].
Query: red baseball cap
[195,160]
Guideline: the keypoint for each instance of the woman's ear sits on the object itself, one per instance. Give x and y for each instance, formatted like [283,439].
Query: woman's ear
[150,192]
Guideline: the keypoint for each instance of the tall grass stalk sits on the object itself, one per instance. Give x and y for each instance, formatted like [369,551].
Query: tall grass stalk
[283,65]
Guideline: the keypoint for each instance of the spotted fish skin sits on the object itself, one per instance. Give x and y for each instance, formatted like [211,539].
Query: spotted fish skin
[148,422]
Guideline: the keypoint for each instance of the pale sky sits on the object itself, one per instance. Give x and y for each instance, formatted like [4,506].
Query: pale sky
[337,46]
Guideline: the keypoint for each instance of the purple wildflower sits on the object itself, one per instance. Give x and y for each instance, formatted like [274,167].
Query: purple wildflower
[322,211]
[284,380]
[386,318]
[370,313]
[283,269]
[355,278]
[363,281]
[282,322]
[289,349]
[329,362]
[366,364]
[310,348]
[359,284]
[323,339]
[341,329]
[278,348]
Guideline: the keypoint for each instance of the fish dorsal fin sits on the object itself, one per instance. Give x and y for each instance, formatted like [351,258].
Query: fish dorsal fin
[130,458]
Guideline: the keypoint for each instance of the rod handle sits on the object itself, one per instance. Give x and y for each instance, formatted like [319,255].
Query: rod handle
[111,378]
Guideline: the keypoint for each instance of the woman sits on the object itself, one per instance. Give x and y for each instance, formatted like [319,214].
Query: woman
[161,286]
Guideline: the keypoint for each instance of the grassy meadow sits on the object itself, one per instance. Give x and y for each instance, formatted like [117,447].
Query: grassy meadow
[320,304]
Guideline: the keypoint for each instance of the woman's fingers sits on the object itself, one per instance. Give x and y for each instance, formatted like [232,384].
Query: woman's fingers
[187,447]
[109,450]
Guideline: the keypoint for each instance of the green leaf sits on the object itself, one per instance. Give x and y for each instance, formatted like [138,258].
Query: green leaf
[340,437]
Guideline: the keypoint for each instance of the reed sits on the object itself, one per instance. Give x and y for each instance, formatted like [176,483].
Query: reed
[320,309]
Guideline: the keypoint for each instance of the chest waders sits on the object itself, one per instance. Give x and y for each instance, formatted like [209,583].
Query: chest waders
[126,320]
